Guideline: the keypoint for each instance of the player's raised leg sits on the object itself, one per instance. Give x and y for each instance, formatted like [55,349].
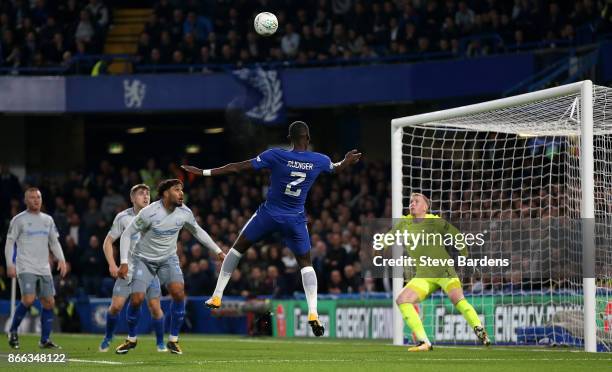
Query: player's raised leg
[455,293]
[259,225]
[230,262]
[406,300]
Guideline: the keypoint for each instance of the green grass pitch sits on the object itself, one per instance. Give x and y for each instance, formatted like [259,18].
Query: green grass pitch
[219,353]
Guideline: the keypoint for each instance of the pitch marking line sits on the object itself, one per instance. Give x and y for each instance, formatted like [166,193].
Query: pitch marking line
[102,361]
[278,361]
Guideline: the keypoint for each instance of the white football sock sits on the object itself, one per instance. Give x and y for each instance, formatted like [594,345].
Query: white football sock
[309,280]
[227,268]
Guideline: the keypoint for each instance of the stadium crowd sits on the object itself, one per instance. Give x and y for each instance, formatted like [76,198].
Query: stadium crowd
[322,30]
[47,33]
[42,33]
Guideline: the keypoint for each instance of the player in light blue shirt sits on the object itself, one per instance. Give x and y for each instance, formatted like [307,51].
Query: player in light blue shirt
[155,254]
[32,233]
[139,196]
[293,172]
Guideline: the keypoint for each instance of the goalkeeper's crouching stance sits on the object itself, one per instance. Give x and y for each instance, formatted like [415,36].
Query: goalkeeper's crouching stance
[429,279]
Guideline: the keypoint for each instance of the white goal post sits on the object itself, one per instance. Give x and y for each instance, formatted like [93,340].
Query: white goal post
[558,125]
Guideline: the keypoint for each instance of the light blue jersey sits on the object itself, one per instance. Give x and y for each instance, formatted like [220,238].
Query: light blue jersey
[159,230]
[32,234]
[120,223]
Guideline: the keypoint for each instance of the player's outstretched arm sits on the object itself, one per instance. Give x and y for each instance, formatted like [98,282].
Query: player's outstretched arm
[351,157]
[202,236]
[226,169]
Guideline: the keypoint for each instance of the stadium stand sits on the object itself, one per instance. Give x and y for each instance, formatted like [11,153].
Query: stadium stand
[68,37]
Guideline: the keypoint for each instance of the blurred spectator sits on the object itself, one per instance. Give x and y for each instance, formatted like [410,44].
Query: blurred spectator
[77,232]
[353,282]
[92,215]
[85,29]
[93,259]
[237,286]
[274,283]
[336,285]
[111,202]
[290,42]
[256,283]
[464,18]
[195,280]
[336,254]
[9,189]
[151,176]
[199,25]
[98,12]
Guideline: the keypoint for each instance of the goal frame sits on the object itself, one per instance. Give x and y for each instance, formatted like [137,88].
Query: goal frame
[587,205]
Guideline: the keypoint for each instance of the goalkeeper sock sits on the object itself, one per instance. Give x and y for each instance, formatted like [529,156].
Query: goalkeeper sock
[309,280]
[46,323]
[227,268]
[411,317]
[20,313]
[468,313]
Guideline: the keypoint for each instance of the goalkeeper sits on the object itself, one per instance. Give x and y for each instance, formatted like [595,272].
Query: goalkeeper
[429,278]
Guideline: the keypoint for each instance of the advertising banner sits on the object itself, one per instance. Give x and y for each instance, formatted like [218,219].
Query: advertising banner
[367,319]
[504,315]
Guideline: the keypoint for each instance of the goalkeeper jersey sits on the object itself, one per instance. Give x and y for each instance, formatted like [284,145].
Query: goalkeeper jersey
[432,233]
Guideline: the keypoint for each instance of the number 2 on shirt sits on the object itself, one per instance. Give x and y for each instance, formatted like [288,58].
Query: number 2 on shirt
[301,176]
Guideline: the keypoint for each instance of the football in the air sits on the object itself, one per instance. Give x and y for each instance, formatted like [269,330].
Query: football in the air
[265,23]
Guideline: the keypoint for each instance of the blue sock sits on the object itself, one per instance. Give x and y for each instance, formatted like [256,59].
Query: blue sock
[158,326]
[111,324]
[20,313]
[178,315]
[133,314]
[46,323]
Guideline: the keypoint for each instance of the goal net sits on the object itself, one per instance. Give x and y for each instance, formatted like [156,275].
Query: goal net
[534,173]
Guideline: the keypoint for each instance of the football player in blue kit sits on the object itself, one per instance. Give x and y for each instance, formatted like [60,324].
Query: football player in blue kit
[293,172]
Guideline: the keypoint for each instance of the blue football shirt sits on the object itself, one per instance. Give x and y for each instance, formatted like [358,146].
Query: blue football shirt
[293,173]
